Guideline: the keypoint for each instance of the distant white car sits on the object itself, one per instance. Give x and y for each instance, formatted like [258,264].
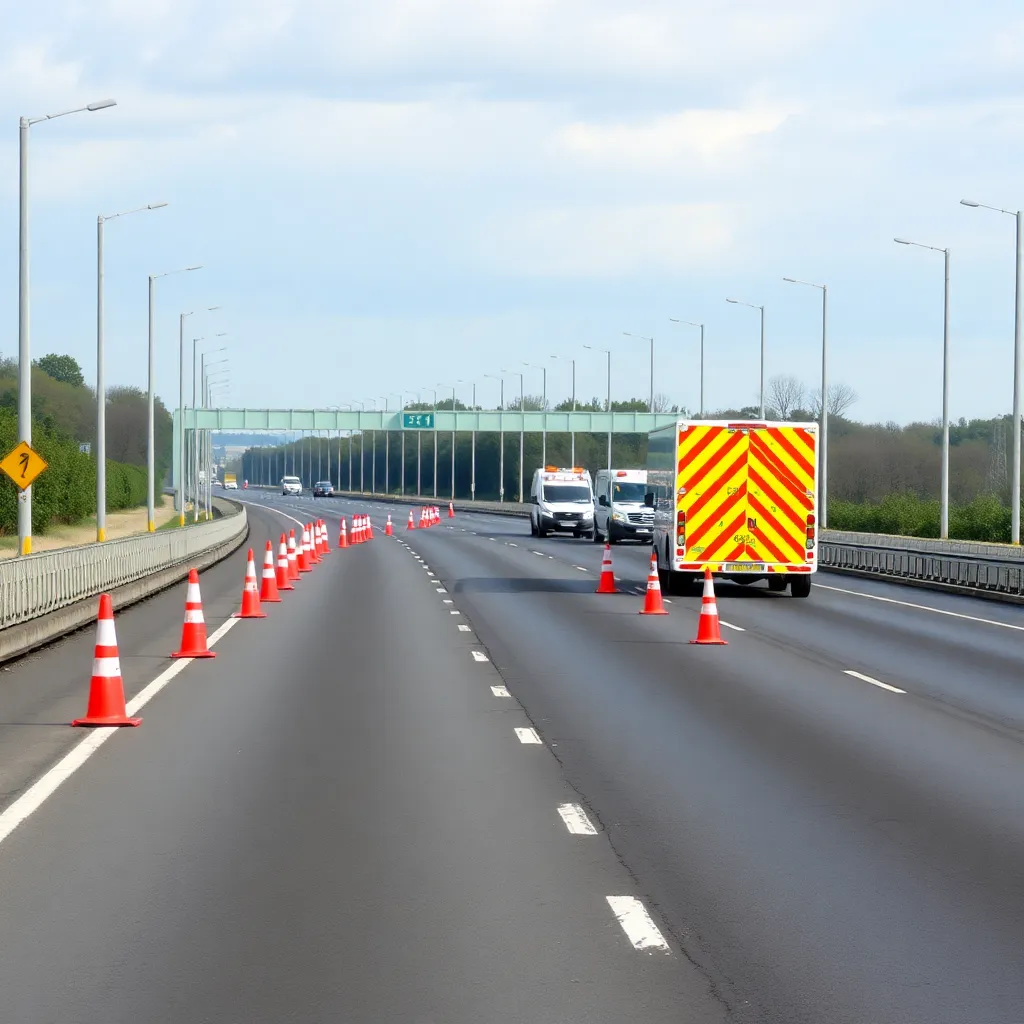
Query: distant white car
[231,485]
[291,485]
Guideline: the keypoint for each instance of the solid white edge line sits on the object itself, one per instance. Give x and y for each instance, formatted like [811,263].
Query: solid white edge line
[872,681]
[920,607]
[37,794]
[739,629]
[527,735]
[641,931]
[500,691]
[576,820]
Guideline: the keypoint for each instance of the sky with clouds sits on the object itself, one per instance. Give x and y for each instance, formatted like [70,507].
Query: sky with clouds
[393,194]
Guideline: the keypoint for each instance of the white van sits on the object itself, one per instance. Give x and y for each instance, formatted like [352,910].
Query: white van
[562,501]
[621,513]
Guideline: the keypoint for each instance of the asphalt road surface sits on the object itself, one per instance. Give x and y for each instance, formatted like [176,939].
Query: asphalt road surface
[345,818]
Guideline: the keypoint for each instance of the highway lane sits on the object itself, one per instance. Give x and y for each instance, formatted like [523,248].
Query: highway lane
[823,849]
[337,819]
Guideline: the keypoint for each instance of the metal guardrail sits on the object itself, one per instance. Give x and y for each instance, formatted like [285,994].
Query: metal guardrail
[988,570]
[39,584]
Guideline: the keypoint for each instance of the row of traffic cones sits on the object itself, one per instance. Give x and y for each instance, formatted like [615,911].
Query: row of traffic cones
[708,628]
[106,688]
[430,515]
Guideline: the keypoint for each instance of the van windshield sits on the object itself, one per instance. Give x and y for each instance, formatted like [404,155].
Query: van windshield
[579,493]
[629,492]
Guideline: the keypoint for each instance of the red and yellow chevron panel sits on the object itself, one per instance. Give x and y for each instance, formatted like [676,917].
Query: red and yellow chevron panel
[747,492]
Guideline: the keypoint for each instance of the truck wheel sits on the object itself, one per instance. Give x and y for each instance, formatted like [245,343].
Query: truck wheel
[596,535]
[800,586]
[777,584]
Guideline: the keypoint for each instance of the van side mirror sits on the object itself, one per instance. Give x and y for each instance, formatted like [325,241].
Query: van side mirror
[602,500]
[649,499]
[534,499]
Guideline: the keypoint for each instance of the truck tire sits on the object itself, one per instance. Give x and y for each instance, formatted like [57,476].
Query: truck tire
[777,584]
[800,586]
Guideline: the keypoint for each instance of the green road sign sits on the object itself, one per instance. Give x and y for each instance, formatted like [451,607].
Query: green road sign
[417,421]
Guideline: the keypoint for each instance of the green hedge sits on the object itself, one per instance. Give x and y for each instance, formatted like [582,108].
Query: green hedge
[66,492]
[986,518]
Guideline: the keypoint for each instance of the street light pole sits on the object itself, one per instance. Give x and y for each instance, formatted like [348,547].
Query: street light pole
[522,414]
[823,411]
[572,433]
[452,386]
[544,410]
[387,451]
[101,387]
[640,337]
[752,305]
[501,436]
[24,336]
[1018,300]
[151,421]
[472,461]
[944,513]
[608,400]
[691,323]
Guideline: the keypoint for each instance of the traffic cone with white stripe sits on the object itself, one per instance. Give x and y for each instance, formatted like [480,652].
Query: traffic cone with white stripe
[423,518]
[606,585]
[268,586]
[708,631]
[653,604]
[193,633]
[250,594]
[411,525]
[369,528]
[293,557]
[388,529]
[283,582]
[303,551]
[451,509]
[324,539]
[343,535]
[314,557]
[106,690]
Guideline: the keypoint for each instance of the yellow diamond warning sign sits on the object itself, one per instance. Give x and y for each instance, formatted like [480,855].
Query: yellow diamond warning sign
[23,465]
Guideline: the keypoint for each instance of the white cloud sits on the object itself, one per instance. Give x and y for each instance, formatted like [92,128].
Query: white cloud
[607,242]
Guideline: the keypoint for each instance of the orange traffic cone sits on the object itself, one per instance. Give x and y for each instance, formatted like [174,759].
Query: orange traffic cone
[293,557]
[324,539]
[653,604]
[283,582]
[606,585]
[411,525]
[106,690]
[268,588]
[708,631]
[343,536]
[423,517]
[314,557]
[250,594]
[369,528]
[302,552]
[193,633]
[388,529]
[451,509]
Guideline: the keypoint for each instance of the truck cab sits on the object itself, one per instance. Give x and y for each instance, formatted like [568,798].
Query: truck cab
[620,513]
[562,501]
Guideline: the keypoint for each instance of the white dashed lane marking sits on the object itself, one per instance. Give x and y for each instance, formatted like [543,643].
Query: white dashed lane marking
[500,691]
[527,735]
[576,820]
[873,681]
[729,625]
[641,931]
[463,629]
[479,656]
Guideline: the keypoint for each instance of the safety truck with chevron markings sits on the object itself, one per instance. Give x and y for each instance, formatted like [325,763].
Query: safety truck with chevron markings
[740,498]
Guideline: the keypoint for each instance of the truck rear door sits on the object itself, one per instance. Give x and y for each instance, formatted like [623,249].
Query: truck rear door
[744,494]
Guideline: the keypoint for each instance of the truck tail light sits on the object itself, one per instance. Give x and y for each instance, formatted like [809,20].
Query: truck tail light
[680,528]
[811,531]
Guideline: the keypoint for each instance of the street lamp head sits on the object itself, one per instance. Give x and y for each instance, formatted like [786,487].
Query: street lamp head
[969,202]
[791,280]
[733,300]
[156,206]
[903,241]
[101,105]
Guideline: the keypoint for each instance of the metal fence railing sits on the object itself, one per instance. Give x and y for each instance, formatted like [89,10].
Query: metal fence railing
[986,569]
[38,584]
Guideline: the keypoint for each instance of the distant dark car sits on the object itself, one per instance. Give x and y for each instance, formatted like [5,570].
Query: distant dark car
[323,489]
